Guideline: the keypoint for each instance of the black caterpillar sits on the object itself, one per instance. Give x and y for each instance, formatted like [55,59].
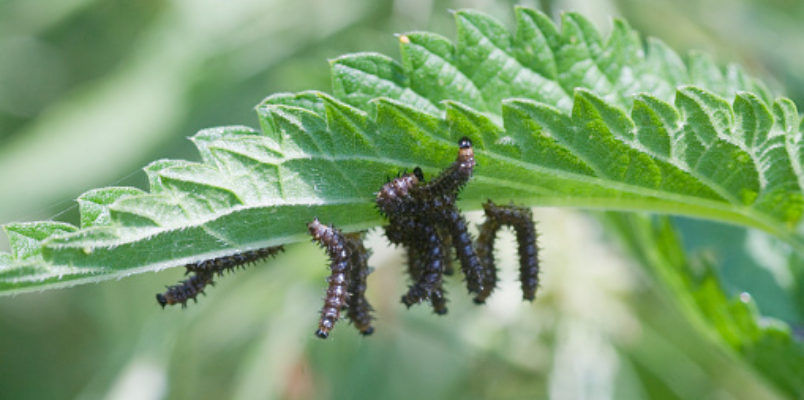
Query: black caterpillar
[347,279]
[423,214]
[203,273]
[423,218]
[521,219]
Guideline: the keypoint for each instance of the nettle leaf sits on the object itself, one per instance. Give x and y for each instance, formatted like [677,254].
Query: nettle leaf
[767,344]
[558,117]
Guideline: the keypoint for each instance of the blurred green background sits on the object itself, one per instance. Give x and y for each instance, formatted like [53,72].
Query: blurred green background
[92,90]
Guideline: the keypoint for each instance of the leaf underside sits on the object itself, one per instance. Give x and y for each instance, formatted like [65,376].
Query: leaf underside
[558,117]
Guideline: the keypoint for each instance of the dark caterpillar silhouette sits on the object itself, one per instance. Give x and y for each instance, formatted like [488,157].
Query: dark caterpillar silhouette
[424,218]
[462,241]
[358,308]
[203,273]
[429,256]
[404,231]
[416,265]
[185,290]
[422,215]
[454,178]
[521,219]
[230,263]
[347,280]
[409,194]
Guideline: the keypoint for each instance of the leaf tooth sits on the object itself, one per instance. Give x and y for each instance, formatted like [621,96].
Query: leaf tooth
[148,210]
[577,63]
[782,196]
[705,73]
[93,205]
[299,131]
[205,137]
[535,41]
[358,78]
[656,124]
[577,28]
[265,116]
[152,171]
[200,189]
[465,121]
[429,61]
[606,134]
[254,174]
[259,148]
[308,100]
[26,238]
[664,70]
[476,21]
[709,116]
[544,135]
[622,52]
[413,136]
[712,150]
[353,130]
[752,120]
[485,55]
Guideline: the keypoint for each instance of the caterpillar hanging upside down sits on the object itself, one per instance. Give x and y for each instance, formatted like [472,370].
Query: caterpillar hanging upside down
[347,281]
[423,217]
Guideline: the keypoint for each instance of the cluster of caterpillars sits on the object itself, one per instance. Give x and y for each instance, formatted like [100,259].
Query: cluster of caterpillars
[423,218]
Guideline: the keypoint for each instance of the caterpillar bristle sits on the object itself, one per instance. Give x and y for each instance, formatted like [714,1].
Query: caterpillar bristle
[201,274]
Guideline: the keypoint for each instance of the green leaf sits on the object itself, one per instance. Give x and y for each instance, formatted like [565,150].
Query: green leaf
[732,321]
[558,117]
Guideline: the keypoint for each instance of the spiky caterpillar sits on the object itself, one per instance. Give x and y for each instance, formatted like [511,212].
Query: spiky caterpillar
[188,289]
[358,308]
[416,267]
[521,219]
[462,241]
[340,257]
[408,201]
[347,279]
[204,271]
[453,178]
[230,263]
[423,216]
[422,259]
[394,198]
[409,194]
[427,267]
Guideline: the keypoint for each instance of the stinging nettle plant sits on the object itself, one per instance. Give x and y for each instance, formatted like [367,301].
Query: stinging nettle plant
[558,117]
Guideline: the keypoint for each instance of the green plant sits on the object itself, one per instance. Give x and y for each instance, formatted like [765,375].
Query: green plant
[558,117]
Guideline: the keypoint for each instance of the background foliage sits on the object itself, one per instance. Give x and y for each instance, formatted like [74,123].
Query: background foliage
[96,84]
